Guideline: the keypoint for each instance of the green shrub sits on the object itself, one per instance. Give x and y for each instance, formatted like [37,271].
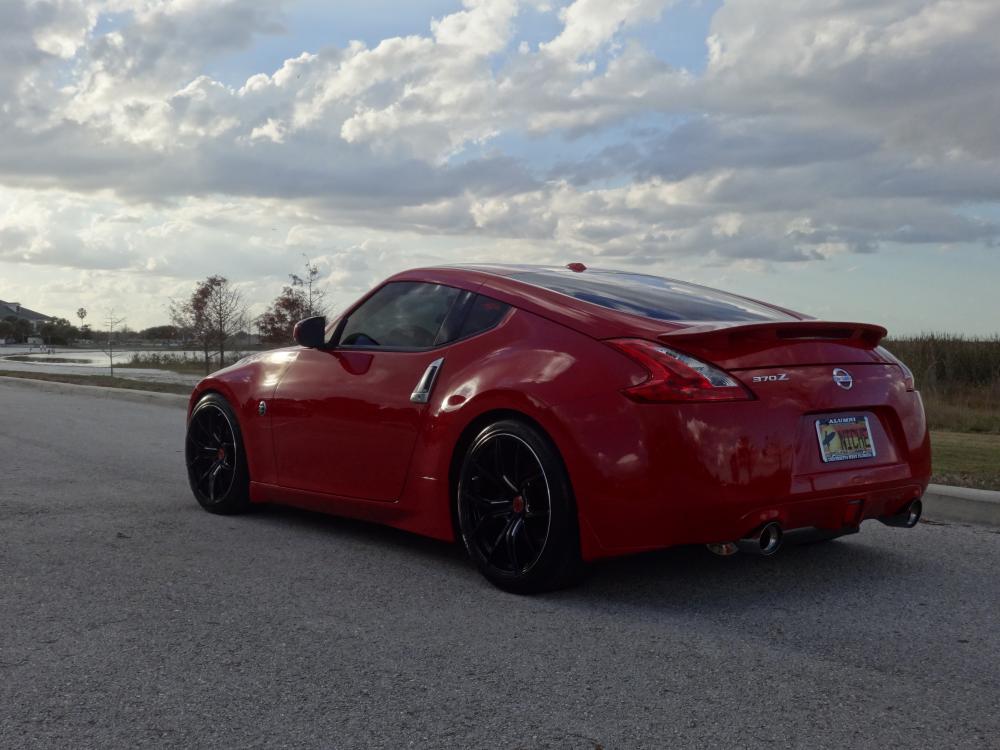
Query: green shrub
[958,377]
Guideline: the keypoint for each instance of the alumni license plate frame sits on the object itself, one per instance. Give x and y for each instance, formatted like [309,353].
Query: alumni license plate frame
[845,438]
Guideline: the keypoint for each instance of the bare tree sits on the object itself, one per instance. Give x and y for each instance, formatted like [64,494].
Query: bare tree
[313,296]
[213,314]
[111,321]
[303,298]
[226,312]
[189,317]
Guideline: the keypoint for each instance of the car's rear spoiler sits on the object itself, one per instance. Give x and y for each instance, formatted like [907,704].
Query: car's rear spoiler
[765,335]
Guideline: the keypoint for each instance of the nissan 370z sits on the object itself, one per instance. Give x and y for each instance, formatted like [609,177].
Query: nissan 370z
[547,417]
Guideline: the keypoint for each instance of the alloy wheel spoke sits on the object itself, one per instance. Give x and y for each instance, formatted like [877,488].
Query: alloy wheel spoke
[199,444]
[522,527]
[498,459]
[532,478]
[212,477]
[208,472]
[511,538]
[198,464]
[489,516]
[500,537]
[486,502]
[486,472]
[200,424]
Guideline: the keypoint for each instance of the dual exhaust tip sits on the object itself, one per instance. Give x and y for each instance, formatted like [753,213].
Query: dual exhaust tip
[768,538]
[907,518]
[764,542]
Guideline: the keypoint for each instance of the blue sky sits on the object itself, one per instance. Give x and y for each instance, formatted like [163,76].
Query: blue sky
[839,159]
[679,38]
[311,26]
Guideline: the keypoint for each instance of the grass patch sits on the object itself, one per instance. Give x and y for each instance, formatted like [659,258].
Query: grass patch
[963,409]
[959,379]
[183,364]
[966,459]
[105,381]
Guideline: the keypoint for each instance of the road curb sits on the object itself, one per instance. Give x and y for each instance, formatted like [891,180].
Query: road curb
[961,504]
[98,391]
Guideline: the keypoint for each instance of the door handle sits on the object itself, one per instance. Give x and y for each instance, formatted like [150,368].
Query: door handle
[422,393]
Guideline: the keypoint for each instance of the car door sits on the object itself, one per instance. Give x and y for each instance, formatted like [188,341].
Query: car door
[345,418]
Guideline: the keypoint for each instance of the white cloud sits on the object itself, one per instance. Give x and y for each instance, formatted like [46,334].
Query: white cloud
[816,129]
[919,74]
[590,24]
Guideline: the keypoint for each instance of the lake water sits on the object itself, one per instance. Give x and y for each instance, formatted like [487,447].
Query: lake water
[95,361]
[92,357]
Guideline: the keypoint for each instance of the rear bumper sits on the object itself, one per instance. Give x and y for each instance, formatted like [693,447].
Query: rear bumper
[840,512]
[824,515]
[648,477]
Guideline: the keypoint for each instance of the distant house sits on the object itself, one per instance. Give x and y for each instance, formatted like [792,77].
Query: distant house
[18,312]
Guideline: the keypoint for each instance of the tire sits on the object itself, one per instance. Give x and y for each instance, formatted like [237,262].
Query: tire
[216,459]
[515,509]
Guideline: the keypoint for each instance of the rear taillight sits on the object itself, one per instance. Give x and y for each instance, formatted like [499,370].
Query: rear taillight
[911,382]
[675,376]
[908,378]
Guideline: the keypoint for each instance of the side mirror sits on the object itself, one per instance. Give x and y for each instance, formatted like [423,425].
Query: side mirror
[311,332]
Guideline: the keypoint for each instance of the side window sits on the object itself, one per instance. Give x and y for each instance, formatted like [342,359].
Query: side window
[403,314]
[485,314]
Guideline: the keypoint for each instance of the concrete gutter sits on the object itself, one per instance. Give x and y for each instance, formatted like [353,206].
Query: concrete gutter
[97,391]
[962,505]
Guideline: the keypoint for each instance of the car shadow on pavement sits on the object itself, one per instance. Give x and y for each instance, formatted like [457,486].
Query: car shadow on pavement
[865,598]
[749,593]
[365,532]
[685,577]
[690,569]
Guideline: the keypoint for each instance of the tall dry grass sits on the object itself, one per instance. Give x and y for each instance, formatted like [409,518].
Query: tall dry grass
[958,377]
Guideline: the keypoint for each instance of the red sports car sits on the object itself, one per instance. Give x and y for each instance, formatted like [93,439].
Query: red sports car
[551,416]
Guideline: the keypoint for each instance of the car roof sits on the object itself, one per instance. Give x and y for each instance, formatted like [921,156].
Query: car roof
[558,294]
[579,271]
[573,278]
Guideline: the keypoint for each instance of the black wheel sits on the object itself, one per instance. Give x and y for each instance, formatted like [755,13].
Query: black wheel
[216,462]
[515,510]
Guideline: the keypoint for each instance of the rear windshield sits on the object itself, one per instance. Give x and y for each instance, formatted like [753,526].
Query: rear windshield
[650,296]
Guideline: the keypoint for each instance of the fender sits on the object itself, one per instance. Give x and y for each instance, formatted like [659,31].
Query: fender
[535,379]
[427,498]
[244,385]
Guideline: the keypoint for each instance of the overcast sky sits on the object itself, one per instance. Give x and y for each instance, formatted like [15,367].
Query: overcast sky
[840,157]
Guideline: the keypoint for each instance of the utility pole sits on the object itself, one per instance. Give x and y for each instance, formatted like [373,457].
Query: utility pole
[111,321]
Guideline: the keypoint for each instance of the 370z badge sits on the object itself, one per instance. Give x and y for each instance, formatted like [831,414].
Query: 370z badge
[771,378]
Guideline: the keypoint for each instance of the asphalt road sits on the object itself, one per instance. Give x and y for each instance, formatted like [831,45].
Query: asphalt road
[131,618]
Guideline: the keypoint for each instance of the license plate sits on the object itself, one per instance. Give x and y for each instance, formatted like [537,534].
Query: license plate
[844,438]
